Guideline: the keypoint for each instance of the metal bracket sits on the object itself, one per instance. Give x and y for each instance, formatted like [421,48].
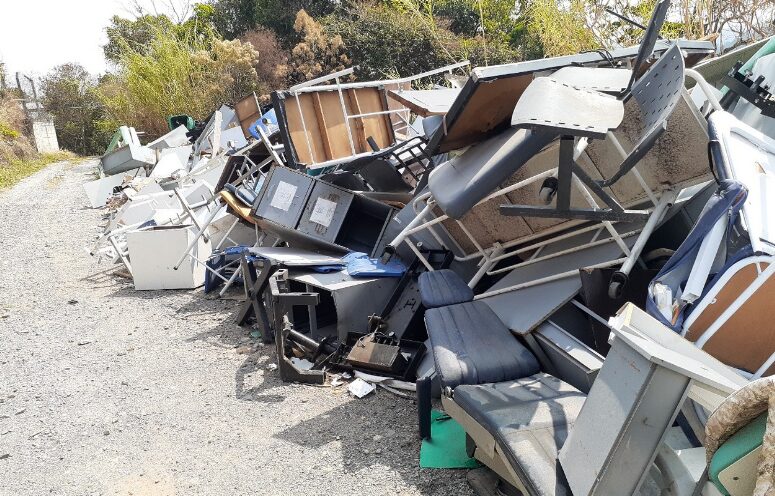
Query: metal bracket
[568,168]
[283,302]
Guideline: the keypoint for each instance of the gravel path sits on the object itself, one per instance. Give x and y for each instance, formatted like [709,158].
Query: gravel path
[105,390]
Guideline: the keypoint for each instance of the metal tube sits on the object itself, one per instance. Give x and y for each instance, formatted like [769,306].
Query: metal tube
[304,126]
[228,231]
[229,283]
[656,216]
[416,221]
[705,87]
[346,120]
[561,252]
[321,79]
[384,82]
[199,234]
[547,242]
[543,280]
[488,263]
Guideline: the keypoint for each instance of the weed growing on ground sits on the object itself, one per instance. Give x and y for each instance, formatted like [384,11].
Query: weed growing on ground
[17,169]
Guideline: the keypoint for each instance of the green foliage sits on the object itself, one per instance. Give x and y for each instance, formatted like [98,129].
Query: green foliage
[233,18]
[13,171]
[561,30]
[127,36]
[133,36]
[414,45]
[70,96]
[174,76]
[462,16]
[8,132]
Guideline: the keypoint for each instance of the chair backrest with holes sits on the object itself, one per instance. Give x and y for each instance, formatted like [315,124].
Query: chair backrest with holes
[657,93]
[649,38]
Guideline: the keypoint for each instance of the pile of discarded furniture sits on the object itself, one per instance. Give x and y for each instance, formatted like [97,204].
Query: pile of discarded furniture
[574,254]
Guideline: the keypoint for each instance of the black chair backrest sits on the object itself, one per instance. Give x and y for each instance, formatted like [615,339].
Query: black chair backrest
[381,175]
[346,180]
[649,38]
[657,94]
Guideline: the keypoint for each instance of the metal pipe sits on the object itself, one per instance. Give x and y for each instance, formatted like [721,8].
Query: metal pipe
[562,252]
[705,87]
[321,79]
[544,280]
[667,199]
[383,82]
[199,234]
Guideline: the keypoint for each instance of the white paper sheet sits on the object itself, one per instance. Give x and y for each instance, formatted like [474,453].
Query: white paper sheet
[323,212]
[283,196]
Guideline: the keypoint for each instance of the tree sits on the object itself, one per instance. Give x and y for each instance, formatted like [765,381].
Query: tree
[170,76]
[272,67]
[70,96]
[561,30]
[385,41]
[233,18]
[135,36]
[317,52]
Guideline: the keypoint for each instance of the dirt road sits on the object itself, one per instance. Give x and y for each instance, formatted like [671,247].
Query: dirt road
[105,390]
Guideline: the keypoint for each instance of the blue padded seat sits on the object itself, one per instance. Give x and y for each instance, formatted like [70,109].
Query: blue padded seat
[471,345]
[439,288]
[530,419]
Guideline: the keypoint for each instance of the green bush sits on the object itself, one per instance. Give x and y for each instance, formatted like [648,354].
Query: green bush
[172,76]
[8,132]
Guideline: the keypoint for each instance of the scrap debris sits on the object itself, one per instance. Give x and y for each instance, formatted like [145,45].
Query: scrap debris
[548,248]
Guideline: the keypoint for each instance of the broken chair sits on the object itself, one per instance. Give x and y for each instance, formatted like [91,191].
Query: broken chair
[549,110]
[716,289]
[545,437]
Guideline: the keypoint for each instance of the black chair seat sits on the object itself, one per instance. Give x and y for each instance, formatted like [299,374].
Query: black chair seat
[439,288]
[471,345]
[530,419]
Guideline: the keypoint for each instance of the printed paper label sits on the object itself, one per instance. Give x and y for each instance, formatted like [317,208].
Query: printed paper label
[323,213]
[283,196]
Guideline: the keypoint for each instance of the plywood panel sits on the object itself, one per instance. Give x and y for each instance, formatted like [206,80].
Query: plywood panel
[248,111]
[372,100]
[747,339]
[296,129]
[335,124]
[489,108]
[326,127]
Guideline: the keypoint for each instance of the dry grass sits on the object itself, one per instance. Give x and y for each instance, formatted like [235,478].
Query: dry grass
[17,169]
[18,157]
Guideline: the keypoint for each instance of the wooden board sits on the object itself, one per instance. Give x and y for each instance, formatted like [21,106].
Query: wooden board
[488,109]
[747,339]
[248,111]
[426,102]
[487,100]
[315,123]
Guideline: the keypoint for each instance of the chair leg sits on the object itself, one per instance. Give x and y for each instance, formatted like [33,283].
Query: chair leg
[424,395]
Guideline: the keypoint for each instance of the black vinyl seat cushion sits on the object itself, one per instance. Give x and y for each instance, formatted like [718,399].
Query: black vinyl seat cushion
[471,345]
[530,419]
[439,288]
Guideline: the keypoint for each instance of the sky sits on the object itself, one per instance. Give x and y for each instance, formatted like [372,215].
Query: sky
[38,35]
